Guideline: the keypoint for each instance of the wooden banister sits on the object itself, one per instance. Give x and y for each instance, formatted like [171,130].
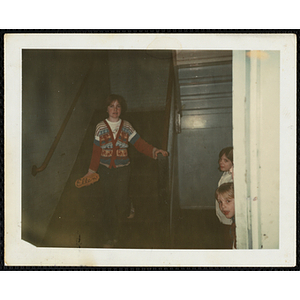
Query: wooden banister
[35,169]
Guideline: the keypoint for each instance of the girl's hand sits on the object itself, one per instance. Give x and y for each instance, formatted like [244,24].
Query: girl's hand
[88,173]
[86,180]
[163,152]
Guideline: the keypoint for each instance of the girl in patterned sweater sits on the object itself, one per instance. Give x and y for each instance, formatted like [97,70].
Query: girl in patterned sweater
[110,158]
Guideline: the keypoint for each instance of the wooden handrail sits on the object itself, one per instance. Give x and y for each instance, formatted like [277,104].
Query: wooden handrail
[35,169]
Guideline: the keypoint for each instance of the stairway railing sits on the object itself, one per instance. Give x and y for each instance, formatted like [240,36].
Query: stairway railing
[169,167]
[168,106]
[44,165]
[165,166]
[163,161]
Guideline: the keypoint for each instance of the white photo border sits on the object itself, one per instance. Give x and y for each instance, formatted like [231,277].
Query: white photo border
[20,253]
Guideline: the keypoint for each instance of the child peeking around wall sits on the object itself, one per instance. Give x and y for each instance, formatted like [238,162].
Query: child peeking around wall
[225,166]
[225,197]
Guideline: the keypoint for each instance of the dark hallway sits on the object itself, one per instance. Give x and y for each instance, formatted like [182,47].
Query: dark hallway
[77,220]
[181,105]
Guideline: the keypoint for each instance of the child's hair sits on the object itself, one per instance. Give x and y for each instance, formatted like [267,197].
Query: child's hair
[225,189]
[228,151]
[114,97]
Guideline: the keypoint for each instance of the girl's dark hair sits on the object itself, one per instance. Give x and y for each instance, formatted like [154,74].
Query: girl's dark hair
[225,188]
[113,97]
[228,151]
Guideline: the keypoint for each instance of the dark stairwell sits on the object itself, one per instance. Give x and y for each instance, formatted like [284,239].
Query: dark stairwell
[77,220]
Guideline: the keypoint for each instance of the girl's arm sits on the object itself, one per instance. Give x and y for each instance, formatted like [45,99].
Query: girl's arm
[95,160]
[145,148]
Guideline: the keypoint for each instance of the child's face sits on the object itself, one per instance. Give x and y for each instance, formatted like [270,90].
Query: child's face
[114,110]
[226,205]
[225,163]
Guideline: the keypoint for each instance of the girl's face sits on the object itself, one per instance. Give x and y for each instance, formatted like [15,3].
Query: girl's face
[225,163]
[114,111]
[226,205]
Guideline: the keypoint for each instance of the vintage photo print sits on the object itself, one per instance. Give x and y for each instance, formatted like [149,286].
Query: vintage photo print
[150,150]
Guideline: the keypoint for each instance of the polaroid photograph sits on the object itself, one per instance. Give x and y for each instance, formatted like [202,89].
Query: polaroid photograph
[150,150]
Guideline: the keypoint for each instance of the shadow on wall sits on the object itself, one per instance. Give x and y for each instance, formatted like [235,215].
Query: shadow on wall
[51,79]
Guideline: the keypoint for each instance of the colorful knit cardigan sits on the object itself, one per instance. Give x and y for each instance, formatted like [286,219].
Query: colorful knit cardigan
[113,153]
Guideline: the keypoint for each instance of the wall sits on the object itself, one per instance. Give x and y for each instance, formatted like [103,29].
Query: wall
[141,77]
[205,91]
[256,109]
[50,82]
